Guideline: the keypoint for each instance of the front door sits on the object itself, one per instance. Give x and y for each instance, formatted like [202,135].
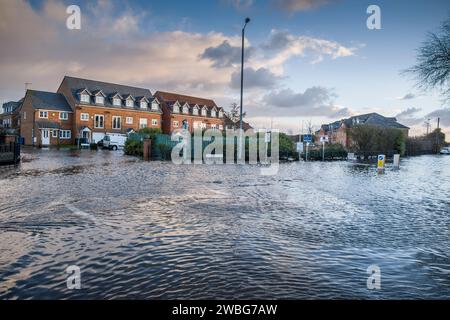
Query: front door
[87,135]
[45,137]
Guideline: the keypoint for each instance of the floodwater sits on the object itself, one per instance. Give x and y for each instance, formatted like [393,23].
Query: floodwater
[155,230]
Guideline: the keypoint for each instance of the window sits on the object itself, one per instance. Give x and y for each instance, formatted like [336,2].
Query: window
[142,123]
[63,116]
[176,124]
[117,102]
[116,122]
[176,109]
[129,120]
[65,134]
[185,109]
[197,125]
[130,103]
[84,117]
[213,113]
[214,126]
[144,105]
[99,100]
[204,112]
[24,115]
[220,114]
[220,127]
[99,121]
[85,98]
[43,114]
[155,106]
[55,133]
[203,125]
[154,122]
[195,111]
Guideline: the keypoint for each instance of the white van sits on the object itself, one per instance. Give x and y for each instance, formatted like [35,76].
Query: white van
[114,141]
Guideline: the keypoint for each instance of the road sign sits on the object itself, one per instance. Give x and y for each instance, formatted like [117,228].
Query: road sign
[307,138]
[381,161]
[324,139]
[267,137]
[299,147]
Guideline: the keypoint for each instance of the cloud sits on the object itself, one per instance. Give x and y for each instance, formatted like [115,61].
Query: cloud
[409,116]
[443,114]
[225,55]
[282,46]
[292,6]
[240,4]
[315,101]
[260,78]
[408,96]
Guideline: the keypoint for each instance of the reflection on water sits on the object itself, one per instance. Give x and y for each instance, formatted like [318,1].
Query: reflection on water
[155,230]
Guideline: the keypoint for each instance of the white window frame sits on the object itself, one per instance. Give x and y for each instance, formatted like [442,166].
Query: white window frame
[144,105]
[84,116]
[43,114]
[220,127]
[129,103]
[155,106]
[204,112]
[220,114]
[195,112]
[24,115]
[85,98]
[65,134]
[63,113]
[99,100]
[143,123]
[127,120]
[185,109]
[154,122]
[176,124]
[103,121]
[54,133]
[213,114]
[116,125]
[176,108]
[117,102]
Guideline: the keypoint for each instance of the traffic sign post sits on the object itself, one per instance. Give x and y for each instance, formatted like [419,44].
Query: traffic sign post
[381,162]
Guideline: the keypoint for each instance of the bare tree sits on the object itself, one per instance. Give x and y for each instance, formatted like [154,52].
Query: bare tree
[235,112]
[433,62]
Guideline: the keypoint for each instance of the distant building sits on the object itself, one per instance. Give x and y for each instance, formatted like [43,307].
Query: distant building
[337,131]
[230,124]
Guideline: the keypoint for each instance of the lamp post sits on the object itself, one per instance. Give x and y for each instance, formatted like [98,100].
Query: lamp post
[247,20]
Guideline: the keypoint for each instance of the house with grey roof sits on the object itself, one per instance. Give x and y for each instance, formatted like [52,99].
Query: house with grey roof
[337,131]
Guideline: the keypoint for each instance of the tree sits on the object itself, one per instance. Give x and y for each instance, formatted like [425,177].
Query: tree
[433,62]
[235,112]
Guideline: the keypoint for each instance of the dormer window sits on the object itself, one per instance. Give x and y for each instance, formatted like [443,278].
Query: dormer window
[130,103]
[195,111]
[213,113]
[117,102]
[85,98]
[99,100]
[155,106]
[144,105]
[220,114]
[204,112]
[185,109]
[176,108]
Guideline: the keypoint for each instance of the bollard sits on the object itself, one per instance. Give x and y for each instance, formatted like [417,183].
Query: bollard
[381,161]
[396,161]
[147,149]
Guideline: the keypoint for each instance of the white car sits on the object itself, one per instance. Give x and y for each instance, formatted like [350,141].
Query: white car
[445,150]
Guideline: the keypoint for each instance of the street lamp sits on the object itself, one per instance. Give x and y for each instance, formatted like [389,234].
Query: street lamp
[247,20]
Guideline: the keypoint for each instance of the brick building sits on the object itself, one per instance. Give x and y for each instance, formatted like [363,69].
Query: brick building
[180,111]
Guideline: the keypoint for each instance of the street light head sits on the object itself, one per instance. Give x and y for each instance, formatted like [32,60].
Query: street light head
[247,20]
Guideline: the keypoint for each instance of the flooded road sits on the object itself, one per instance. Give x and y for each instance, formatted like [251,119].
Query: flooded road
[154,230]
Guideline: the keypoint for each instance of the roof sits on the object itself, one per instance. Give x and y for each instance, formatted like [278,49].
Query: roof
[13,104]
[369,119]
[48,101]
[48,125]
[77,85]
[236,124]
[182,99]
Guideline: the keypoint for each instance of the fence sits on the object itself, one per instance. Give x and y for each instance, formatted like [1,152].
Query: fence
[9,153]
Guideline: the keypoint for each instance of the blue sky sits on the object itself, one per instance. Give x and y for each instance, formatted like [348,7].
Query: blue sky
[357,68]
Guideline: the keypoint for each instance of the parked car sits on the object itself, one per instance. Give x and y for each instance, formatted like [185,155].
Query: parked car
[445,150]
[114,141]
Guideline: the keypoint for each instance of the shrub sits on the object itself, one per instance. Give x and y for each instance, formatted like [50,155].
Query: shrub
[134,148]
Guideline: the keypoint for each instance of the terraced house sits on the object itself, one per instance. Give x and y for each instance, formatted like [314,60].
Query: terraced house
[101,107]
[186,112]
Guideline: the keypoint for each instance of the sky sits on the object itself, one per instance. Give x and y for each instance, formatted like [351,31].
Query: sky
[307,61]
